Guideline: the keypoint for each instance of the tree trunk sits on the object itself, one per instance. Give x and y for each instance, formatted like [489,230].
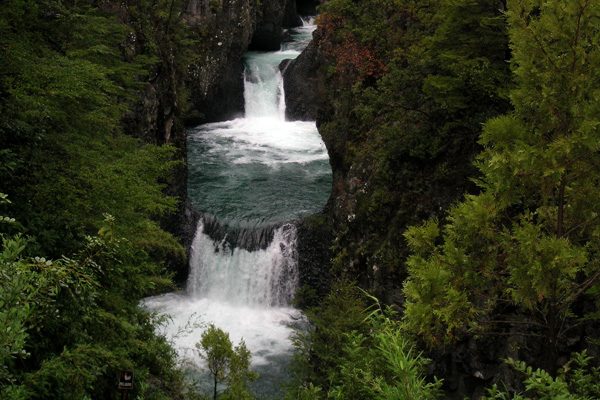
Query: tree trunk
[215,389]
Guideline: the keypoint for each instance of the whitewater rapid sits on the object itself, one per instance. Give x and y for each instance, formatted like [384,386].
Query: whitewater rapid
[251,178]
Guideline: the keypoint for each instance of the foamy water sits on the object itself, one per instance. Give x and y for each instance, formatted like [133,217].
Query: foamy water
[267,141]
[250,177]
[266,331]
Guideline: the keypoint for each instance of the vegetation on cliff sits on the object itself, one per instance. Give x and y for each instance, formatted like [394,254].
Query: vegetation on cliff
[71,274]
[411,85]
[356,350]
[523,254]
[480,228]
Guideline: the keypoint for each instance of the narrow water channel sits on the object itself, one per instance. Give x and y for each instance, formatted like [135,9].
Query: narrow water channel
[251,178]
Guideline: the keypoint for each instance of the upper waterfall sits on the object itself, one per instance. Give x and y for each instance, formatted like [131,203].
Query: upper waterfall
[263,86]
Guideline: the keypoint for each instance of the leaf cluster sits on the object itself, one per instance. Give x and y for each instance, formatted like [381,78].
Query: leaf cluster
[577,380]
[227,364]
[353,352]
[527,245]
[70,325]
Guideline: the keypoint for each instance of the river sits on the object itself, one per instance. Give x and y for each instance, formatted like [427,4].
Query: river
[251,178]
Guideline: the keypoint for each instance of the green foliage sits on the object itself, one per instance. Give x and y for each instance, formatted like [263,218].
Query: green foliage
[318,348]
[71,76]
[70,72]
[351,353]
[527,245]
[577,380]
[70,325]
[14,307]
[68,298]
[215,348]
[66,85]
[227,364]
[240,374]
[404,139]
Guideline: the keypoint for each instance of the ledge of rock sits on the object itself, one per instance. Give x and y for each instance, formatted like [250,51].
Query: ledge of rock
[302,83]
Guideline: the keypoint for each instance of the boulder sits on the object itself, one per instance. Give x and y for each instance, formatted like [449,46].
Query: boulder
[301,81]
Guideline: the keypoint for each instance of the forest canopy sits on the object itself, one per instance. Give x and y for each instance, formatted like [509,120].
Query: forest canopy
[82,201]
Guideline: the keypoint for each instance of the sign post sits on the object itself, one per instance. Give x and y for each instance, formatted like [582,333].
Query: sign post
[125,384]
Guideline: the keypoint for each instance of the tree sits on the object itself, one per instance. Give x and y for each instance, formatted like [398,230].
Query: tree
[240,374]
[412,82]
[66,160]
[226,364]
[352,352]
[524,253]
[215,348]
[577,380]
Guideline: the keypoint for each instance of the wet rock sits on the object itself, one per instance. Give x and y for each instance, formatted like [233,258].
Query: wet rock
[275,15]
[302,81]
[307,7]
[267,37]
[315,239]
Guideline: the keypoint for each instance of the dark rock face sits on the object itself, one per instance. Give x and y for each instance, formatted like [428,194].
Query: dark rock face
[291,16]
[267,37]
[302,80]
[315,239]
[274,16]
[251,238]
[307,7]
[215,78]
[229,29]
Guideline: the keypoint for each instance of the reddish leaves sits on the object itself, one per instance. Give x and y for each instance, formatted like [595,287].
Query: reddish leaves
[353,59]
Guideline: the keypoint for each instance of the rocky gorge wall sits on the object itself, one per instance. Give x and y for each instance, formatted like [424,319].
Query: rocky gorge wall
[199,78]
[398,154]
[228,29]
[212,79]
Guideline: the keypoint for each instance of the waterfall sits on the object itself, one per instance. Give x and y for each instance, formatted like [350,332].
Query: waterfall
[308,22]
[263,87]
[251,177]
[263,83]
[262,277]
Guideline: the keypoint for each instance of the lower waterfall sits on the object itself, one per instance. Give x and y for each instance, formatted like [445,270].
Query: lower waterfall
[260,278]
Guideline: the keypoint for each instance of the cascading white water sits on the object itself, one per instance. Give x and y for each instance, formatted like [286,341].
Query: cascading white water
[261,278]
[257,173]
[308,22]
[263,87]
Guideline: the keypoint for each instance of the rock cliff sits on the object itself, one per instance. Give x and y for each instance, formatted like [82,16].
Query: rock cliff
[228,29]
[303,83]
[202,81]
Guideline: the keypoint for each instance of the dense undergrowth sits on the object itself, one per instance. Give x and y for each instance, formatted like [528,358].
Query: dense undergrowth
[465,137]
[81,244]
